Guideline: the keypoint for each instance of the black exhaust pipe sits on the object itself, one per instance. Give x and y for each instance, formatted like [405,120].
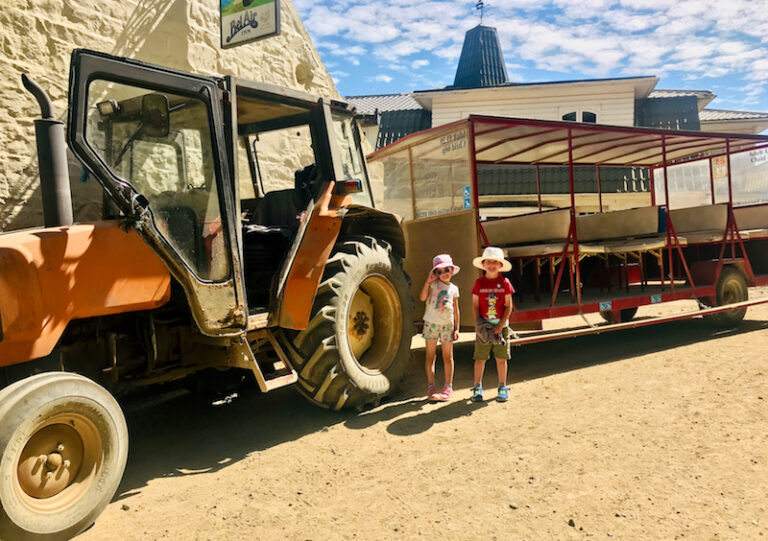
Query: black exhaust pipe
[52,161]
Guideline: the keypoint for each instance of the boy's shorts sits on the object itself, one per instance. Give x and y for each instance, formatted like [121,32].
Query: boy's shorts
[436,331]
[499,351]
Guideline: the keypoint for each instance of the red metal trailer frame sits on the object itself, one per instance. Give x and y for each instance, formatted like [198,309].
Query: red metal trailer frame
[683,272]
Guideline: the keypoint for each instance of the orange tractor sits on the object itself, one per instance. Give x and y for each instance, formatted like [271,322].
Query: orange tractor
[201,267]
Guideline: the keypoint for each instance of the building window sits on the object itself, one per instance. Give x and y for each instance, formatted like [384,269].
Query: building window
[586,116]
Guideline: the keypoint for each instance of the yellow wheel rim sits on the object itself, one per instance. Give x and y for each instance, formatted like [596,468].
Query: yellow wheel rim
[375,323]
[58,463]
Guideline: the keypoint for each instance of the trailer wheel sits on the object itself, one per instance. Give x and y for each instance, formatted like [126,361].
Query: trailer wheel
[63,445]
[357,343]
[624,315]
[731,288]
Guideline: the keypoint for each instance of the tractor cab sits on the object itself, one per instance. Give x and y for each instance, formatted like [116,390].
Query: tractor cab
[222,177]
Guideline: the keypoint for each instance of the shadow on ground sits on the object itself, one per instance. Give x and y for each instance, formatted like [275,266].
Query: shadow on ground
[181,434]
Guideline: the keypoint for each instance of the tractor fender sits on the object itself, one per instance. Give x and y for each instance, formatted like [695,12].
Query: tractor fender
[333,218]
[365,221]
[50,276]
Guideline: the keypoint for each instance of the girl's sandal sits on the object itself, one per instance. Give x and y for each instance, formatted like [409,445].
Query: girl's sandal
[432,394]
[446,394]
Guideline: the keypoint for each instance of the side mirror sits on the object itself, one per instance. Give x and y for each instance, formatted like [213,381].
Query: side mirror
[155,115]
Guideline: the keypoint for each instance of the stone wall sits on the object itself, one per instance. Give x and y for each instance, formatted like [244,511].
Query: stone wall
[38,36]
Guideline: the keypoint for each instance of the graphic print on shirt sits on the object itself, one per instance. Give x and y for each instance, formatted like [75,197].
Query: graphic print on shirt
[491,315]
[441,302]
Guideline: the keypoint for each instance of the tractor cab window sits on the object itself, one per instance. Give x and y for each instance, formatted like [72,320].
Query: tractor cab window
[160,144]
[352,160]
[282,168]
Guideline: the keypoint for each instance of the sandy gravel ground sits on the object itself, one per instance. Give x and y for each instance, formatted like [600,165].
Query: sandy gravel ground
[652,433]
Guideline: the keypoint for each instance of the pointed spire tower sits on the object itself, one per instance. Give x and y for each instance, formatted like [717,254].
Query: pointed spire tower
[482,62]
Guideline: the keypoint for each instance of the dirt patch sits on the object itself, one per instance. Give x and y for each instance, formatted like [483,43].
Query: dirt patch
[652,433]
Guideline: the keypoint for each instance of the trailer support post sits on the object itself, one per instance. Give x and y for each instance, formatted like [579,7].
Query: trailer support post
[573,221]
[538,186]
[599,188]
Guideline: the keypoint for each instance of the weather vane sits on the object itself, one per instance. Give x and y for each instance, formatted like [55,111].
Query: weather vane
[480,6]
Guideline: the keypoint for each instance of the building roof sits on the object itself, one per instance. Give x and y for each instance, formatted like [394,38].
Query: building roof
[714,115]
[397,124]
[703,97]
[367,105]
[647,81]
[673,93]
[481,63]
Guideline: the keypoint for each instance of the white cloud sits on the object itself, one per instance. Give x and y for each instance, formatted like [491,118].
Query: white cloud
[698,38]
[382,78]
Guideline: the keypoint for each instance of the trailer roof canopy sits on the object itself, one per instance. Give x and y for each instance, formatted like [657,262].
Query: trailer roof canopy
[499,140]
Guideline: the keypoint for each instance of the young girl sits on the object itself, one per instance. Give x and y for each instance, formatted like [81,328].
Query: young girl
[441,321]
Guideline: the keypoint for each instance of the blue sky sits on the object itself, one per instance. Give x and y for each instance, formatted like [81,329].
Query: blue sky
[375,47]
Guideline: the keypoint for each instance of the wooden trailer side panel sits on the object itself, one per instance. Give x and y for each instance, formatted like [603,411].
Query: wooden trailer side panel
[455,234]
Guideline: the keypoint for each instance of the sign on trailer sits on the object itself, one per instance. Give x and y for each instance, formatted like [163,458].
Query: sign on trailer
[243,21]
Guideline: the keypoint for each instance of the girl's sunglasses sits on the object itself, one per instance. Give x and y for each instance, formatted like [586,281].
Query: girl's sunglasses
[438,272]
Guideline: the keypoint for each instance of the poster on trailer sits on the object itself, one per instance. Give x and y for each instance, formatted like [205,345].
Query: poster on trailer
[243,21]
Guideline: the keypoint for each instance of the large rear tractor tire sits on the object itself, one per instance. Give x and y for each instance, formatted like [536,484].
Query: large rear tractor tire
[63,449]
[731,288]
[357,344]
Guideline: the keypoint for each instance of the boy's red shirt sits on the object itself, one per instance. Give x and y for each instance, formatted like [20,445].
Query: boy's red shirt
[492,295]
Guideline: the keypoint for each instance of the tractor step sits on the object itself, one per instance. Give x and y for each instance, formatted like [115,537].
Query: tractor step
[279,374]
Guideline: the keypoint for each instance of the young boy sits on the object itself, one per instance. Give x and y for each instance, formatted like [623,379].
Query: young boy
[492,305]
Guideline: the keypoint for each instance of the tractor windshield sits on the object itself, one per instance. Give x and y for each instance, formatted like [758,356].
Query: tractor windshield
[164,152]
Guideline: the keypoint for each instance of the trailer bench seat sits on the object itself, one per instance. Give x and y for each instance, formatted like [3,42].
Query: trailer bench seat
[618,224]
[751,234]
[752,221]
[620,231]
[540,227]
[697,225]
[623,246]
[701,237]
[536,250]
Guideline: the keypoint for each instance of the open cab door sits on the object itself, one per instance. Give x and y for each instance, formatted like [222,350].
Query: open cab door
[154,138]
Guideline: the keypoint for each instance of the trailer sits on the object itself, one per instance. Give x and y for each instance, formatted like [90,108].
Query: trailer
[598,221]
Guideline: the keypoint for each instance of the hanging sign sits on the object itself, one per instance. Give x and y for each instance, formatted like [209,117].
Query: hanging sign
[720,167]
[759,156]
[243,21]
[467,193]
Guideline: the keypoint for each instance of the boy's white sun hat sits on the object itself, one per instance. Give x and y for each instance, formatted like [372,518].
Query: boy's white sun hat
[497,254]
[444,260]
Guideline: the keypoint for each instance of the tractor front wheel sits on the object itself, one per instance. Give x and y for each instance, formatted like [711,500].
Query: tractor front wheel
[357,343]
[63,449]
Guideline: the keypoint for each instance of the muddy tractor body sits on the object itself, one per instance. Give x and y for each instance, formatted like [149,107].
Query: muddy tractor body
[238,239]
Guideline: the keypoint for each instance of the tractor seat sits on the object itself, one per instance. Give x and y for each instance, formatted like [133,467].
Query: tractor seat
[281,207]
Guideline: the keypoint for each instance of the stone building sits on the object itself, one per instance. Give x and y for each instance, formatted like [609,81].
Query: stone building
[37,38]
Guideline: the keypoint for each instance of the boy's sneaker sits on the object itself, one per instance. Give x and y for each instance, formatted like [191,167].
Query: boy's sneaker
[432,394]
[445,396]
[477,393]
[503,393]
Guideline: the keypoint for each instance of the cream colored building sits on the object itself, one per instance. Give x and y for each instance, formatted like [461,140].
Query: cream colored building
[38,38]
[482,87]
